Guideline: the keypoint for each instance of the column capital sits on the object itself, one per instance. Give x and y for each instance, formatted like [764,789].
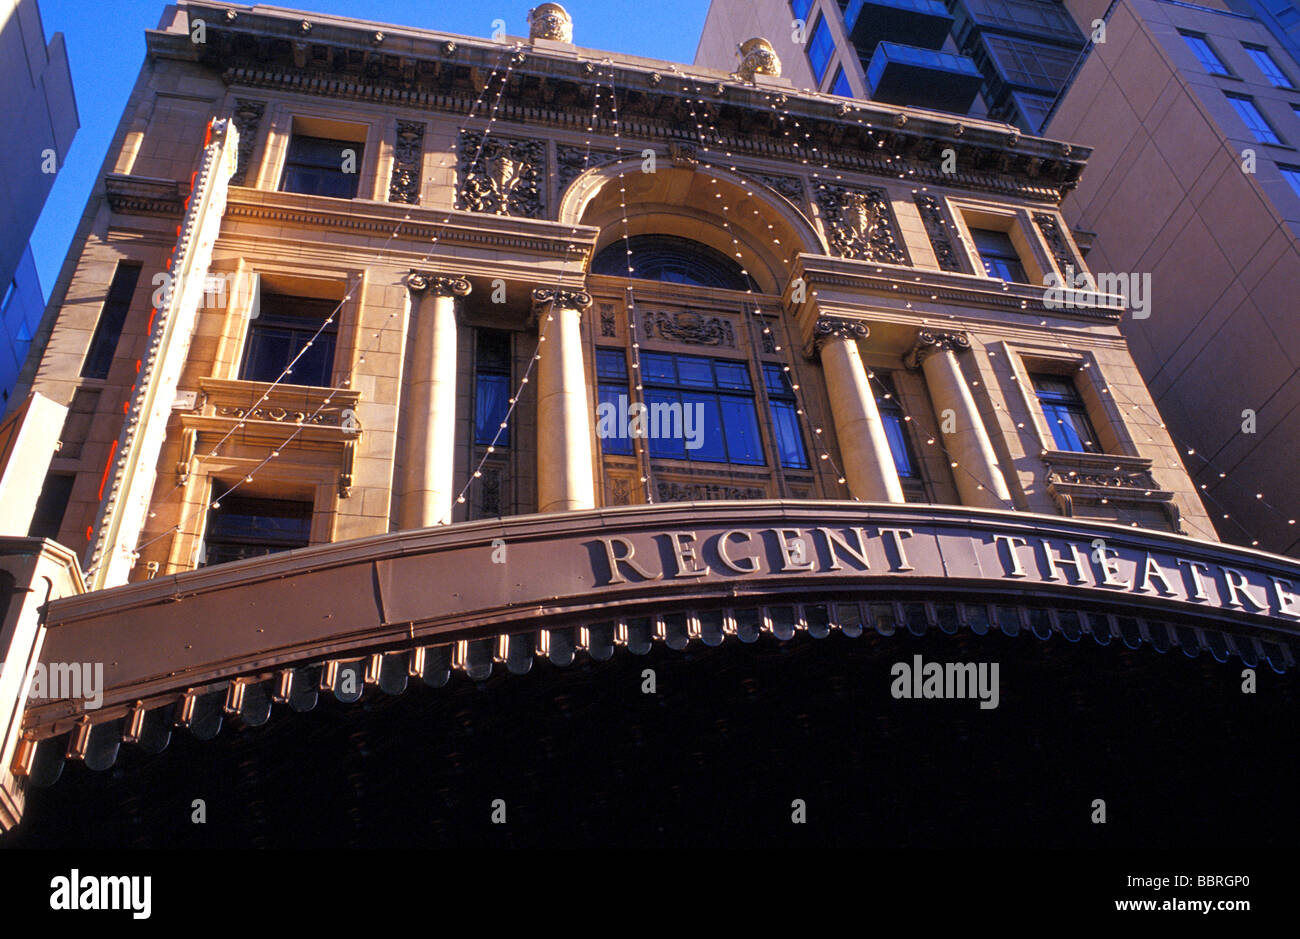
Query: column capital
[440,285]
[827,328]
[929,341]
[544,297]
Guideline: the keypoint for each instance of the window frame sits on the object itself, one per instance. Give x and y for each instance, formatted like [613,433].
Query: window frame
[821,24]
[1291,175]
[1248,101]
[1256,52]
[500,441]
[889,405]
[234,500]
[1071,404]
[273,320]
[113,313]
[1190,39]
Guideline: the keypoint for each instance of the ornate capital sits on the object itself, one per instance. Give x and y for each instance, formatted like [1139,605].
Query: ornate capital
[834,327]
[928,342]
[440,285]
[544,297]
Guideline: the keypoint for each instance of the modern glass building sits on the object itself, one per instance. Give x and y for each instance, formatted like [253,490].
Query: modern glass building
[1004,59]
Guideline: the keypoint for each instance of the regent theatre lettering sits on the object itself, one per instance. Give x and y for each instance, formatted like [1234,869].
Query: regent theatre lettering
[959,552]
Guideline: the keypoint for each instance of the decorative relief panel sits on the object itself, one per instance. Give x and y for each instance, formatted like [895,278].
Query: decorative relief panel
[618,490]
[688,327]
[860,224]
[501,176]
[936,226]
[408,157]
[574,161]
[705,492]
[607,330]
[248,118]
[1056,242]
[789,186]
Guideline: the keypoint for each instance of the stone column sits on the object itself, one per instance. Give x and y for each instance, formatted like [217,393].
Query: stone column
[429,405]
[978,475]
[869,467]
[564,428]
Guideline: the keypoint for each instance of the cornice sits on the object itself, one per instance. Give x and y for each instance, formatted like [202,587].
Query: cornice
[144,195]
[266,48]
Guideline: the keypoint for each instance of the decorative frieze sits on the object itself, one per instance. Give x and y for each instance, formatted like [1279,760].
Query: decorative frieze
[936,226]
[688,327]
[928,342]
[860,224]
[706,492]
[572,162]
[408,159]
[1080,482]
[789,186]
[248,118]
[501,176]
[1056,242]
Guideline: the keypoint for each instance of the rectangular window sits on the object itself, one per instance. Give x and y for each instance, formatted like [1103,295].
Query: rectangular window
[611,387]
[284,328]
[820,49]
[1272,72]
[841,85]
[718,390]
[103,344]
[1254,120]
[800,8]
[318,166]
[1205,54]
[900,443]
[245,527]
[1066,415]
[491,387]
[1292,175]
[999,255]
[51,506]
[785,417]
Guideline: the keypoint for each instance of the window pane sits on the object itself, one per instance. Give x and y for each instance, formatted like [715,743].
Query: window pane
[611,364]
[1271,71]
[820,48]
[491,403]
[1066,415]
[661,403]
[999,255]
[708,431]
[741,425]
[1292,175]
[694,373]
[1253,119]
[1205,55]
[673,259]
[103,344]
[776,380]
[247,527]
[800,8]
[315,166]
[789,442]
[733,375]
[841,85]
[899,446]
[617,441]
[658,368]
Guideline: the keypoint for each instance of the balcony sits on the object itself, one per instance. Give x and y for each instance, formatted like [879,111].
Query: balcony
[923,78]
[923,23]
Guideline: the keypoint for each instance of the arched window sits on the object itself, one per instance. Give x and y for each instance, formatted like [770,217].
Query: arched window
[672,259]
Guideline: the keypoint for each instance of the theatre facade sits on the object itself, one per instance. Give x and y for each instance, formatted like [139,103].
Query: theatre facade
[387,357]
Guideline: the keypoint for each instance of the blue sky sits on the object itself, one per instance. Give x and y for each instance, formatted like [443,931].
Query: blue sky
[106,49]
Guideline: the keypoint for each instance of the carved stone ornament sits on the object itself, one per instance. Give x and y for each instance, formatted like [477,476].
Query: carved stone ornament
[683,155]
[835,327]
[248,118]
[1055,239]
[439,285]
[544,297]
[927,343]
[607,330]
[572,162]
[550,21]
[936,226]
[688,327]
[860,224]
[408,156]
[501,176]
[706,492]
[757,57]
[789,186]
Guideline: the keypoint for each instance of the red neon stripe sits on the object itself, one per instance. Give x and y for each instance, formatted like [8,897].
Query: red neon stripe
[137,366]
[108,464]
[207,135]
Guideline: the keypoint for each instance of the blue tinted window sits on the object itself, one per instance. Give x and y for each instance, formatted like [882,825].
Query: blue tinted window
[611,364]
[785,419]
[672,259]
[740,425]
[717,392]
[841,85]
[614,399]
[1066,415]
[1254,120]
[900,445]
[314,166]
[283,330]
[800,8]
[491,387]
[1292,175]
[820,49]
[999,255]
[1271,71]
[661,405]
[1209,60]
